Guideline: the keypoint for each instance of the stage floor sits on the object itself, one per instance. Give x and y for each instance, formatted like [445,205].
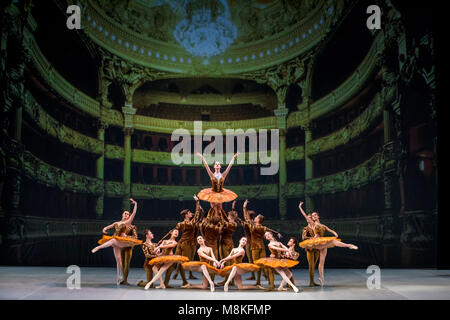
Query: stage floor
[49,283]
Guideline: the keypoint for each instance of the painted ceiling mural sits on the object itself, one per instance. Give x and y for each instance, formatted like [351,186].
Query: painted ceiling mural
[226,35]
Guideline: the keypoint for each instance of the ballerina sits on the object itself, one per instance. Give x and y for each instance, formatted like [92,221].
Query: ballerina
[237,269]
[162,263]
[276,262]
[217,194]
[207,265]
[119,239]
[320,242]
[293,255]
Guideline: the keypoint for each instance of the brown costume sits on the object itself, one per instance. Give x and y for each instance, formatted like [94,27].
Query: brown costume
[149,253]
[127,252]
[257,248]
[311,254]
[187,243]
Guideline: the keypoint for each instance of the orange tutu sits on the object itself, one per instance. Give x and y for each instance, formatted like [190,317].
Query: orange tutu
[313,243]
[248,267]
[123,239]
[170,258]
[217,197]
[189,266]
[276,263]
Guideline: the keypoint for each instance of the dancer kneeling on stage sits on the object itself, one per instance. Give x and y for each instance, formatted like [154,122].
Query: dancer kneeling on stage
[207,265]
[119,239]
[162,263]
[276,262]
[237,269]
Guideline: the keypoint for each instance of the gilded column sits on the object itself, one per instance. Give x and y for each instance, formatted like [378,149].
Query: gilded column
[309,169]
[281,114]
[100,169]
[128,112]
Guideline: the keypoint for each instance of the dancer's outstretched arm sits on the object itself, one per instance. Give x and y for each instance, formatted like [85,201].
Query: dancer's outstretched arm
[331,231]
[205,256]
[196,217]
[304,213]
[210,173]
[246,215]
[169,244]
[108,227]
[131,218]
[232,256]
[225,173]
[278,248]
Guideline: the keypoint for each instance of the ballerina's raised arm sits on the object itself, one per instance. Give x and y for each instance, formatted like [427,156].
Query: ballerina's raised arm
[308,219]
[227,170]
[210,173]
[130,219]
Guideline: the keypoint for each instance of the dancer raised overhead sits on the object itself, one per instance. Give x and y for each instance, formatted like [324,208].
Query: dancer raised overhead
[119,239]
[217,194]
[207,266]
[320,242]
[237,269]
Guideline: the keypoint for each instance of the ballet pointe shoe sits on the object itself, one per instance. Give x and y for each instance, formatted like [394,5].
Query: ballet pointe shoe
[147,286]
[161,286]
[119,280]
[296,290]
[322,281]
[353,247]
[212,286]
[187,285]
[94,250]
[281,289]
[260,287]
[225,287]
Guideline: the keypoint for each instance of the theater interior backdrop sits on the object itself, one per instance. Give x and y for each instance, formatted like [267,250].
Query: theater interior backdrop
[87,117]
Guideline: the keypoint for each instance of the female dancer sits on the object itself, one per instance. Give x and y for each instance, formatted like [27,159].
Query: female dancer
[291,254]
[207,265]
[217,194]
[280,265]
[119,239]
[320,242]
[162,263]
[237,269]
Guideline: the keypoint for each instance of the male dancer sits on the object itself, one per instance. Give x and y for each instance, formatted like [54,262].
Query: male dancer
[148,247]
[257,231]
[311,254]
[184,246]
[126,254]
[226,243]
[211,228]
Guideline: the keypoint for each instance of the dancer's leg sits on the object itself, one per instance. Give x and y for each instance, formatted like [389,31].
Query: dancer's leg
[206,275]
[282,273]
[230,277]
[157,276]
[344,245]
[240,286]
[109,243]
[323,255]
[127,253]
[118,256]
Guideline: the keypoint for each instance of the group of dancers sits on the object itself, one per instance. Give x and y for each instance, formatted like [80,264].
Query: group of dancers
[213,233]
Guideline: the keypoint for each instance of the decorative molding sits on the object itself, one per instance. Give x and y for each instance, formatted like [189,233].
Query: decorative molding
[51,176]
[59,131]
[369,171]
[352,131]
